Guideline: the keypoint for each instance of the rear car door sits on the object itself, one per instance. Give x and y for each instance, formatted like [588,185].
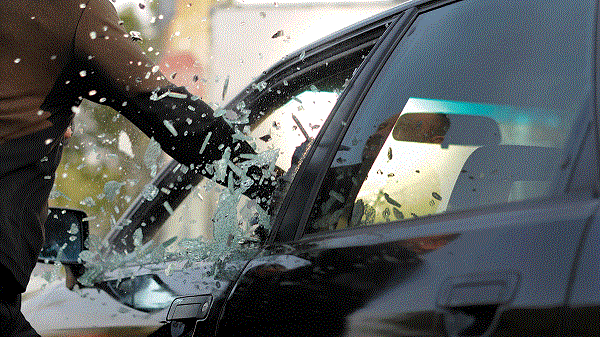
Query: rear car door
[281,112]
[450,190]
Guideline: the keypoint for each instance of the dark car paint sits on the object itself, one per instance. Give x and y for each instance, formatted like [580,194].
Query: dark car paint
[352,269]
[583,294]
[320,59]
[384,277]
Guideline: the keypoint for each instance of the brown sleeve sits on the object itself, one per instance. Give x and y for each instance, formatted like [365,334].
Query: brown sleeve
[112,70]
[187,130]
[104,42]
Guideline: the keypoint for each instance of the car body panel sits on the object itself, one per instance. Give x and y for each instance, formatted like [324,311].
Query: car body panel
[484,271]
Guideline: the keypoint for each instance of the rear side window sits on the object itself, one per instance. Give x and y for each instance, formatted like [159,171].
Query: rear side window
[474,107]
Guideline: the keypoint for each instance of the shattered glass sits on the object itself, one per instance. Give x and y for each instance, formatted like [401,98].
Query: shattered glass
[150,157]
[214,223]
[185,238]
[112,189]
[149,192]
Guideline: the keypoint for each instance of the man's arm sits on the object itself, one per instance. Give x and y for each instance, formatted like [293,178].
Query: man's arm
[112,70]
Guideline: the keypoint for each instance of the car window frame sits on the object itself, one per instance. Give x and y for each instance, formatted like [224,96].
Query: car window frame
[571,181]
[595,102]
[291,220]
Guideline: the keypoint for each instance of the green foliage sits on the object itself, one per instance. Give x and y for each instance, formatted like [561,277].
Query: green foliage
[92,157]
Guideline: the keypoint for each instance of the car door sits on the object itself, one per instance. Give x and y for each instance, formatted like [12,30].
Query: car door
[449,192]
[582,295]
[155,256]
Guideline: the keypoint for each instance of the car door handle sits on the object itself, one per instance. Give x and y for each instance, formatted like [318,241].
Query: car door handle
[470,302]
[189,307]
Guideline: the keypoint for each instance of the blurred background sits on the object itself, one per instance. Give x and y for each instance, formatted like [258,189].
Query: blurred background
[200,44]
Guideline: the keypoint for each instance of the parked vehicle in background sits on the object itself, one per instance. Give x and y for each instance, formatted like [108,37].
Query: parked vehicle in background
[451,191]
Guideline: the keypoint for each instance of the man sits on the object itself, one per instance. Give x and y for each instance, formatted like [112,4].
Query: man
[53,54]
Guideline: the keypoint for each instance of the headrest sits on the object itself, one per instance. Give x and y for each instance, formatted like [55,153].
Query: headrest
[471,130]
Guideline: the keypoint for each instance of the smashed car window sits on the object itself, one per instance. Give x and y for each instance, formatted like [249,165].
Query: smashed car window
[283,136]
[188,217]
[216,222]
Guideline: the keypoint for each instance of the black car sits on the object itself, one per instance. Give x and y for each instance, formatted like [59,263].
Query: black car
[451,191]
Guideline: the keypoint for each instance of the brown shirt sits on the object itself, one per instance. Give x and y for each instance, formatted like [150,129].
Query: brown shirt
[40,39]
[83,52]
